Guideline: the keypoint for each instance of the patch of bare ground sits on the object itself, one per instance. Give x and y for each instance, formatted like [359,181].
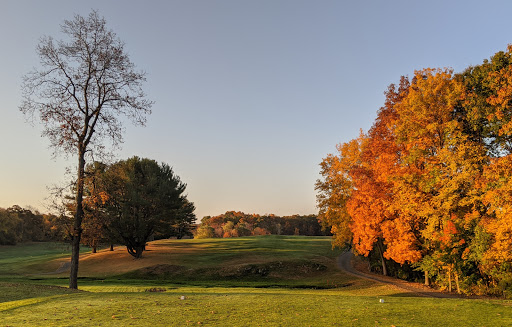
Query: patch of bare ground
[119,261]
[52,267]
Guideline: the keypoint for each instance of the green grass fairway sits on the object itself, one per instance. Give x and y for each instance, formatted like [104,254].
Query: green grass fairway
[266,261]
[249,307]
[258,291]
[32,259]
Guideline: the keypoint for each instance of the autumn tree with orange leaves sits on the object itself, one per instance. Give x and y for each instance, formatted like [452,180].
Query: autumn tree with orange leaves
[370,204]
[429,185]
[336,188]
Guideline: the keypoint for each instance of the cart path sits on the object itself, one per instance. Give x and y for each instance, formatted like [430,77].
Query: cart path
[345,264]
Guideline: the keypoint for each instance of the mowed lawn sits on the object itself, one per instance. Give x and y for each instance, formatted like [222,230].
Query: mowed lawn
[253,281]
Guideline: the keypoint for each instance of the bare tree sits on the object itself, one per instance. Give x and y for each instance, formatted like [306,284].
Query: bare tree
[84,84]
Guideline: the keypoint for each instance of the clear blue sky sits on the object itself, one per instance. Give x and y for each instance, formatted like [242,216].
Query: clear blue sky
[249,95]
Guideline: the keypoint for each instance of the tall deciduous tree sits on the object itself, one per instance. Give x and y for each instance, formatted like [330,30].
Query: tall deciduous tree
[370,204]
[433,180]
[336,188]
[440,163]
[497,181]
[84,84]
[424,129]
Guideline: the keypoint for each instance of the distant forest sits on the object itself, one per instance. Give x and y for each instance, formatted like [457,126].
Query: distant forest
[18,225]
[237,224]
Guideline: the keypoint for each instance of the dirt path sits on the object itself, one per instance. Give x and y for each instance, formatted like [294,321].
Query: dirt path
[345,264]
[64,267]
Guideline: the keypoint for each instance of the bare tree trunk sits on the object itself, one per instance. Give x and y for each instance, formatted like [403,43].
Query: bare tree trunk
[111,247]
[380,247]
[135,250]
[77,227]
[449,280]
[138,251]
[75,251]
[457,282]
[427,281]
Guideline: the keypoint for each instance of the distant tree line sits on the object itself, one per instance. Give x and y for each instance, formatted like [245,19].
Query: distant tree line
[237,224]
[19,224]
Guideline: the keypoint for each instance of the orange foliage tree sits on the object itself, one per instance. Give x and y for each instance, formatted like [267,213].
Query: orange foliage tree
[336,187]
[370,203]
[496,221]
[439,165]
[429,184]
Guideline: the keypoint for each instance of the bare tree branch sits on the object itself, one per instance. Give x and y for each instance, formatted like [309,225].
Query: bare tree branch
[84,83]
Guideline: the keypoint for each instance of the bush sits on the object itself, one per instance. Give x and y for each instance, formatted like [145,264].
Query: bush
[260,231]
[204,231]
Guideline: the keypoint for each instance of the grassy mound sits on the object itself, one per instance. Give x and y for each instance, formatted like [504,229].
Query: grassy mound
[274,272]
[275,260]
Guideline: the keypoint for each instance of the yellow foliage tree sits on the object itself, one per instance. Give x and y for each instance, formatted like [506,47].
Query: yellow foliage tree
[336,188]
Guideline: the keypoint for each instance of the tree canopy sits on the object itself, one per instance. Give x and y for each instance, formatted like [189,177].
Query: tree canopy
[19,224]
[143,199]
[427,188]
[236,223]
